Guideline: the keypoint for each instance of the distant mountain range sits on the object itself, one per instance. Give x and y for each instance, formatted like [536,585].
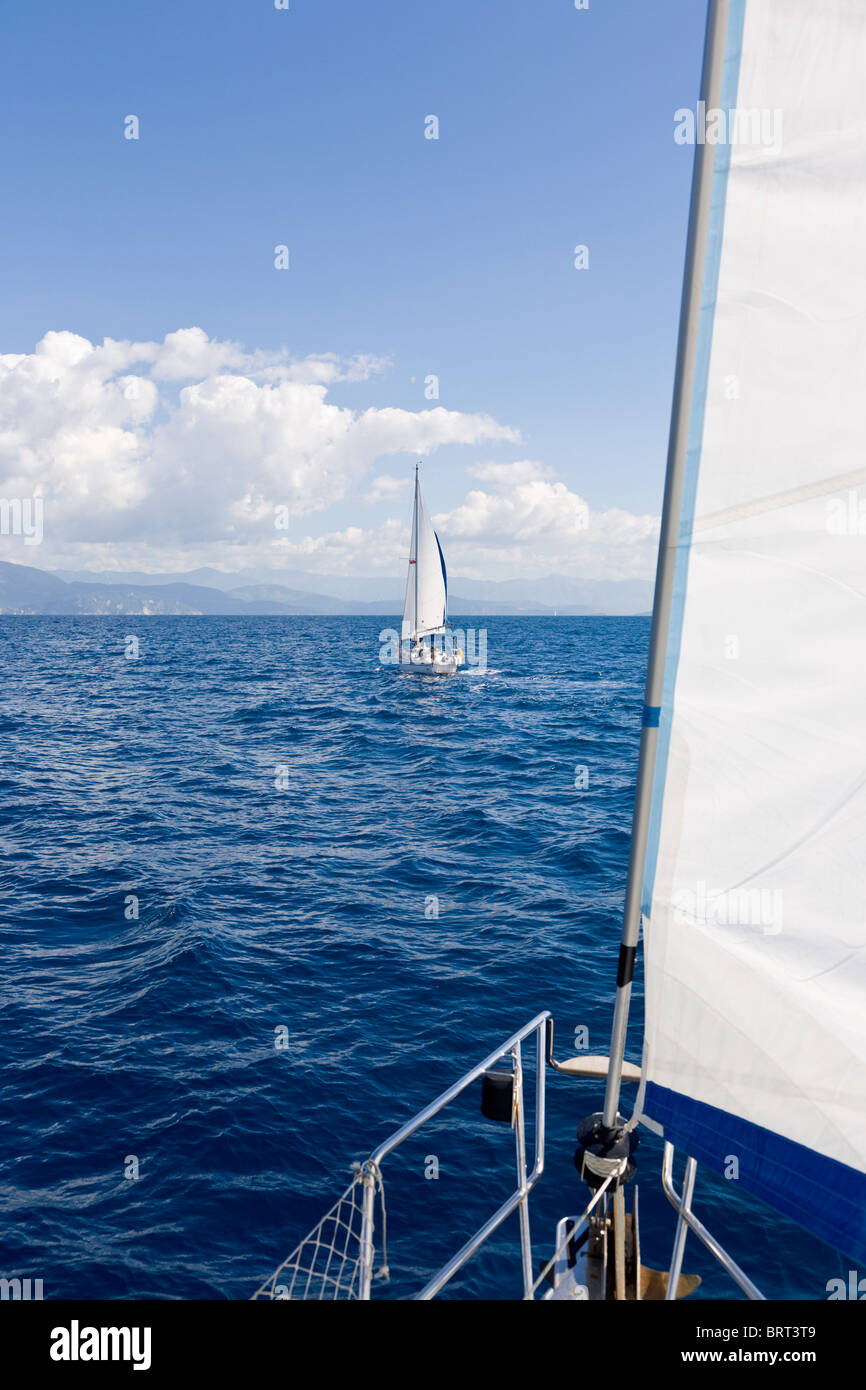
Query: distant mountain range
[25,590]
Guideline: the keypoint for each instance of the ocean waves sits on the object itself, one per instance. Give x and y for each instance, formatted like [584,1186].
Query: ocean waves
[264,897]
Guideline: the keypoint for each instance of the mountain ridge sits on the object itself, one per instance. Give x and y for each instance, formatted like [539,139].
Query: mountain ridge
[26,590]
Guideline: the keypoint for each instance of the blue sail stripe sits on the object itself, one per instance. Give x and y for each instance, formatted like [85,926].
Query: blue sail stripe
[822,1195]
[444,575]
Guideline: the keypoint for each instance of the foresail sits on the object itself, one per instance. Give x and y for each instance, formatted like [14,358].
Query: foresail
[430,586]
[408,628]
[754,897]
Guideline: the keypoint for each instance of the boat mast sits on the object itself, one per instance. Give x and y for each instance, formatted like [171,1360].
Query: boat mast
[417,547]
[690,309]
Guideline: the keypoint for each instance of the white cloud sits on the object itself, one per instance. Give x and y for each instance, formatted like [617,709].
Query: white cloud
[195,448]
[525,504]
[191,353]
[73,426]
[387,488]
[528,525]
[174,454]
[382,549]
[327,367]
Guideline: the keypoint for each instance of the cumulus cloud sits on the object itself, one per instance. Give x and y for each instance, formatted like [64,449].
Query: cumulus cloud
[528,523]
[386,488]
[193,443]
[180,453]
[382,549]
[526,503]
[73,427]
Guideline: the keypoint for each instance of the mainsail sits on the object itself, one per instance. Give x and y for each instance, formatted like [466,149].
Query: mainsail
[753,896]
[424,608]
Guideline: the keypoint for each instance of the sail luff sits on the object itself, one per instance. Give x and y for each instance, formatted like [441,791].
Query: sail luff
[690,311]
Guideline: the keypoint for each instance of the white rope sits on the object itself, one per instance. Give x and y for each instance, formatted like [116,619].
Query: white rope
[603,1167]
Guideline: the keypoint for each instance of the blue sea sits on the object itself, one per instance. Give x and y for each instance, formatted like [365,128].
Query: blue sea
[225,977]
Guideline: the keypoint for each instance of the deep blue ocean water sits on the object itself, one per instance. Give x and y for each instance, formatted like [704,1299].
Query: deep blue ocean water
[301,906]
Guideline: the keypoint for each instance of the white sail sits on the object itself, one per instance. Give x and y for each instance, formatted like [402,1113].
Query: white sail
[754,900]
[426,599]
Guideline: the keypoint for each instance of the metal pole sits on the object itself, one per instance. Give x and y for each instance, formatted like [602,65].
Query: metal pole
[400,1136]
[682,1229]
[724,1259]
[367,1248]
[417,547]
[520,1145]
[711,86]
[540,1087]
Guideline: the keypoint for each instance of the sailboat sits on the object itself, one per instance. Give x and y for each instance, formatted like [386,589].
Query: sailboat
[746,877]
[425,608]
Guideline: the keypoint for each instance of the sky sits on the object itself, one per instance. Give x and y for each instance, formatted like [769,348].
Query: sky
[177,399]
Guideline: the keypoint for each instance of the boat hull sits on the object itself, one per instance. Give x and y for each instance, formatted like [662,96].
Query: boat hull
[441,666]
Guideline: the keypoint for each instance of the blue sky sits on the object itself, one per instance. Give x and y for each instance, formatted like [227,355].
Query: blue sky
[306,127]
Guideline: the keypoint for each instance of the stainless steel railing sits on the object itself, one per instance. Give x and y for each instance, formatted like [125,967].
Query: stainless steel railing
[542,1028]
[519,1198]
[686,1220]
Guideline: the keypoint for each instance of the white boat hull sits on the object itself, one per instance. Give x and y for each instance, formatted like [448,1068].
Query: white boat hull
[430,666]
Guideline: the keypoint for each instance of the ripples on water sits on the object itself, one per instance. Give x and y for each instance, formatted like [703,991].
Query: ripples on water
[304,908]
